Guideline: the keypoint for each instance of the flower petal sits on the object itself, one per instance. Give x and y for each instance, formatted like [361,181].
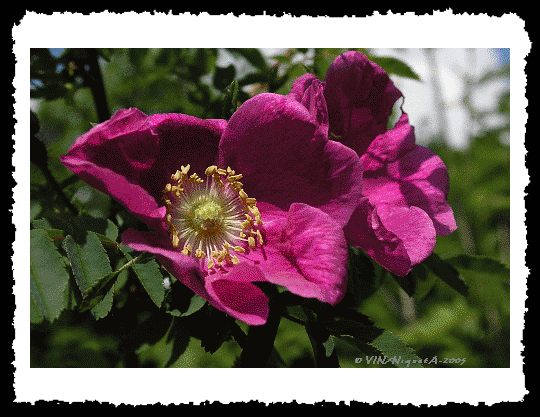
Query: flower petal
[413,227]
[390,146]
[231,292]
[184,268]
[183,140]
[276,144]
[113,157]
[124,143]
[360,97]
[236,294]
[367,231]
[418,179]
[305,251]
[131,156]
[309,91]
[132,196]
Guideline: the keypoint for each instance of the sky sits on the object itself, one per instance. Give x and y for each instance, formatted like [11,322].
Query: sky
[436,103]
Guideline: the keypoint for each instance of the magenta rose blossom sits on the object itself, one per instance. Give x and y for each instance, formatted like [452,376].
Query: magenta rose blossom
[404,185]
[262,197]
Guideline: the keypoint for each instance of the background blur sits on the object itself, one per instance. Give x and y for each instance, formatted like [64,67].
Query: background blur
[457,99]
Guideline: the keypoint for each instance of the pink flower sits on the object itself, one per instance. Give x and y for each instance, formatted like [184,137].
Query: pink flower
[404,185]
[262,197]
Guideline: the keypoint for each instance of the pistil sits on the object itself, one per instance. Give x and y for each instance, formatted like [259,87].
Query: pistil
[213,219]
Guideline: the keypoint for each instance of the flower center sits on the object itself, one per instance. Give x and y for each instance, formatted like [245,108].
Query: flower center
[207,217]
[212,220]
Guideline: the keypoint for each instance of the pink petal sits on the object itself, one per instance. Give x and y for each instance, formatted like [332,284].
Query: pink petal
[186,140]
[413,227]
[366,230]
[360,97]
[231,292]
[418,179]
[309,91]
[276,144]
[236,294]
[132,196]
[305,251]
[390,146]
[184,268]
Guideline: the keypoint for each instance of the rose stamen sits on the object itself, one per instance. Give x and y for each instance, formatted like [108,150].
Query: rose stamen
[214,216]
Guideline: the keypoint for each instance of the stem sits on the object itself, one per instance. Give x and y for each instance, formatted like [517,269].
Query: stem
[260,342]
[52,181]
[97,86]
[237,333]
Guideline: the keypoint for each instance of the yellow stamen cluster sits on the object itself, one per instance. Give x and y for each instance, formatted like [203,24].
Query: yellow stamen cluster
[211,219]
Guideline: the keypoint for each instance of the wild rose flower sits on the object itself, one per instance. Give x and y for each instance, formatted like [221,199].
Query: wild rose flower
[404,185]
[231,203]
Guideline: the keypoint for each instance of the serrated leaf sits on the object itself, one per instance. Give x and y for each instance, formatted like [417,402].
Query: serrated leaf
[223,76]
[196,303]
[447,273]
[93,273]
[150,331]
[362,279]
[179,336]
[230,100]
[253,56]
[97,293]
[78,227]
[396,351]
[322,344]
[489,278]
[147,270]
[395,66]
[49,280]
[359,331]
[151,279]
[88,260]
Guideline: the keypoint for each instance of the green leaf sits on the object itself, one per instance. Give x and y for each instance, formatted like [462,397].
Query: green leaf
[253,56]
[448,273]
[196,303]
[322,344]
[97,293]
[182,301]
[489,278]
[359,331]
[230,100]
[424,281]
[394,66]
[88,260]
[149,332]
[362,278]
[396,351]
[147,270]
[324,57]
[253,78]
[78,226]
[477,263]
[49,280]
[179,336]
[93,273]
[407,283]
[223,76]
